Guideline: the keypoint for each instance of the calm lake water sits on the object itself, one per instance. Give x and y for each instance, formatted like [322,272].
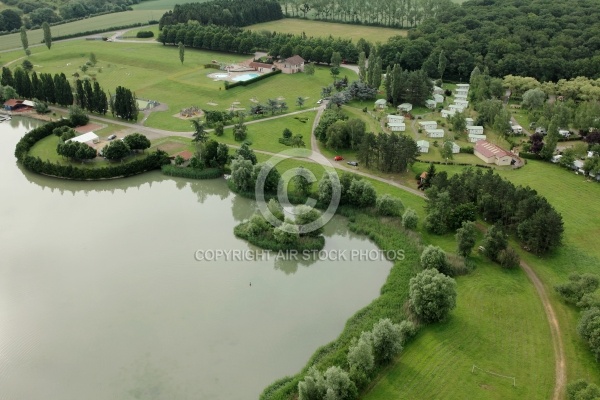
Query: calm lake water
[101,296]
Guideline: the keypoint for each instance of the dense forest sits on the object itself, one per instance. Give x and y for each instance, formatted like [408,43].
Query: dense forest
[224,12]
[394,13]
[33,13]
[545,39]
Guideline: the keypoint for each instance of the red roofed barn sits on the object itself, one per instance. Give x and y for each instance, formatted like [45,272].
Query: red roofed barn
[492,154]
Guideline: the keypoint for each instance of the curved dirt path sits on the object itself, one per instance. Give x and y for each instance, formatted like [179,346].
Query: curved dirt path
[560,369]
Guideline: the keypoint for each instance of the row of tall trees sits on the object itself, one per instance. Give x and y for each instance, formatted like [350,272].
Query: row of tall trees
[237,40]
[45,87]
[91,98]
[517,210]
[395,13]
[124,104]
[224,12]
[388,152]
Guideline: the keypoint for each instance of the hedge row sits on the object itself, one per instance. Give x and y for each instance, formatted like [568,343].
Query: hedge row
[570,138]
[453,163]
[144,34]
[467,150]
[35,164]
[529,156]
[95,31]
[212,65]
[192,173]
[152,161]
[249,81]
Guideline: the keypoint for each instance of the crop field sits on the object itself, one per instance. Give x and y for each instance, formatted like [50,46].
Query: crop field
[13,41]
[324,29]
[498,325]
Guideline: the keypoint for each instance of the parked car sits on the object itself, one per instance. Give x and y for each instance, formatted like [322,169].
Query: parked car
[319,101]
[338,158]
[111,137]
[353,163]
[540,130]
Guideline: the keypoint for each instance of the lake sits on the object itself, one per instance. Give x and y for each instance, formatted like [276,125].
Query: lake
[102,295]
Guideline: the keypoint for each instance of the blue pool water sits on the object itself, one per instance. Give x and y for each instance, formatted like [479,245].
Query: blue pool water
[244,77]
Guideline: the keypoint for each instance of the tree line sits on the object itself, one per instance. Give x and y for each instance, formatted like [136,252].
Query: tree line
[223,13]
[517,210]
[45,87]
[237,40]
[395,13]
[91,98]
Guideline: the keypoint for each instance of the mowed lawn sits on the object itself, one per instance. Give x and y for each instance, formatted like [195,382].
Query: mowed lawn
[13,41]
[154,72]
[498,325]
[264,135]
[324,29]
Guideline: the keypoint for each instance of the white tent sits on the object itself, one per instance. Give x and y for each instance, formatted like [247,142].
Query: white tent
[86,137]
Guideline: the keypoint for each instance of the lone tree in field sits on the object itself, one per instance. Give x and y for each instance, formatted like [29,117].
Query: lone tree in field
[181,52]
[47,34]
[465,238]
[24,40]
[432,295]
[436,258]
[300,101]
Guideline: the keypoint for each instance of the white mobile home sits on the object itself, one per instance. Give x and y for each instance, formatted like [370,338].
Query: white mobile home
[448,113]
[469,121]
[475,130]
[462,91]
[460,96]
[564,133]
[423,146]
[463,103]
[438,90]
[397,126]
[473,138]
[455,148]
[395,118]
[517,129]
[435,133]
[462,86]
[405,107]
[428,124]
[456,107]
[438,98]
[430,104]
[381,103]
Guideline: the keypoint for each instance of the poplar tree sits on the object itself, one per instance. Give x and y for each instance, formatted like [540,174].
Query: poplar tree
[47,34]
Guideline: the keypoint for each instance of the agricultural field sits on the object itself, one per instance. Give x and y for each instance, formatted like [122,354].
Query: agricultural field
[13,41]
[325,29]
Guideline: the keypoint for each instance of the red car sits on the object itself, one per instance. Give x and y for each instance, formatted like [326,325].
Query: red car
[338,158]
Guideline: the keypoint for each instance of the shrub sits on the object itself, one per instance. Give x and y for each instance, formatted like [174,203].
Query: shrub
[410,219]
[407,330]
[578,286]
[144,34]
[589,330]
[432,295]
[387,340]
[508,258]
[434,257]
[389,206]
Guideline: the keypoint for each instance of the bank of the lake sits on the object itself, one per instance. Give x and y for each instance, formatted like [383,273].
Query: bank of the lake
[103,297]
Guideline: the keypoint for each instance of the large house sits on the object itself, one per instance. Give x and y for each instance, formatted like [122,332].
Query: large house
[18,105]
[291,65]
[492,154]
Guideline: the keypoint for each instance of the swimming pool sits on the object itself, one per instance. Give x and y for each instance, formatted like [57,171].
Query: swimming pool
[218,75]
[245,77]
